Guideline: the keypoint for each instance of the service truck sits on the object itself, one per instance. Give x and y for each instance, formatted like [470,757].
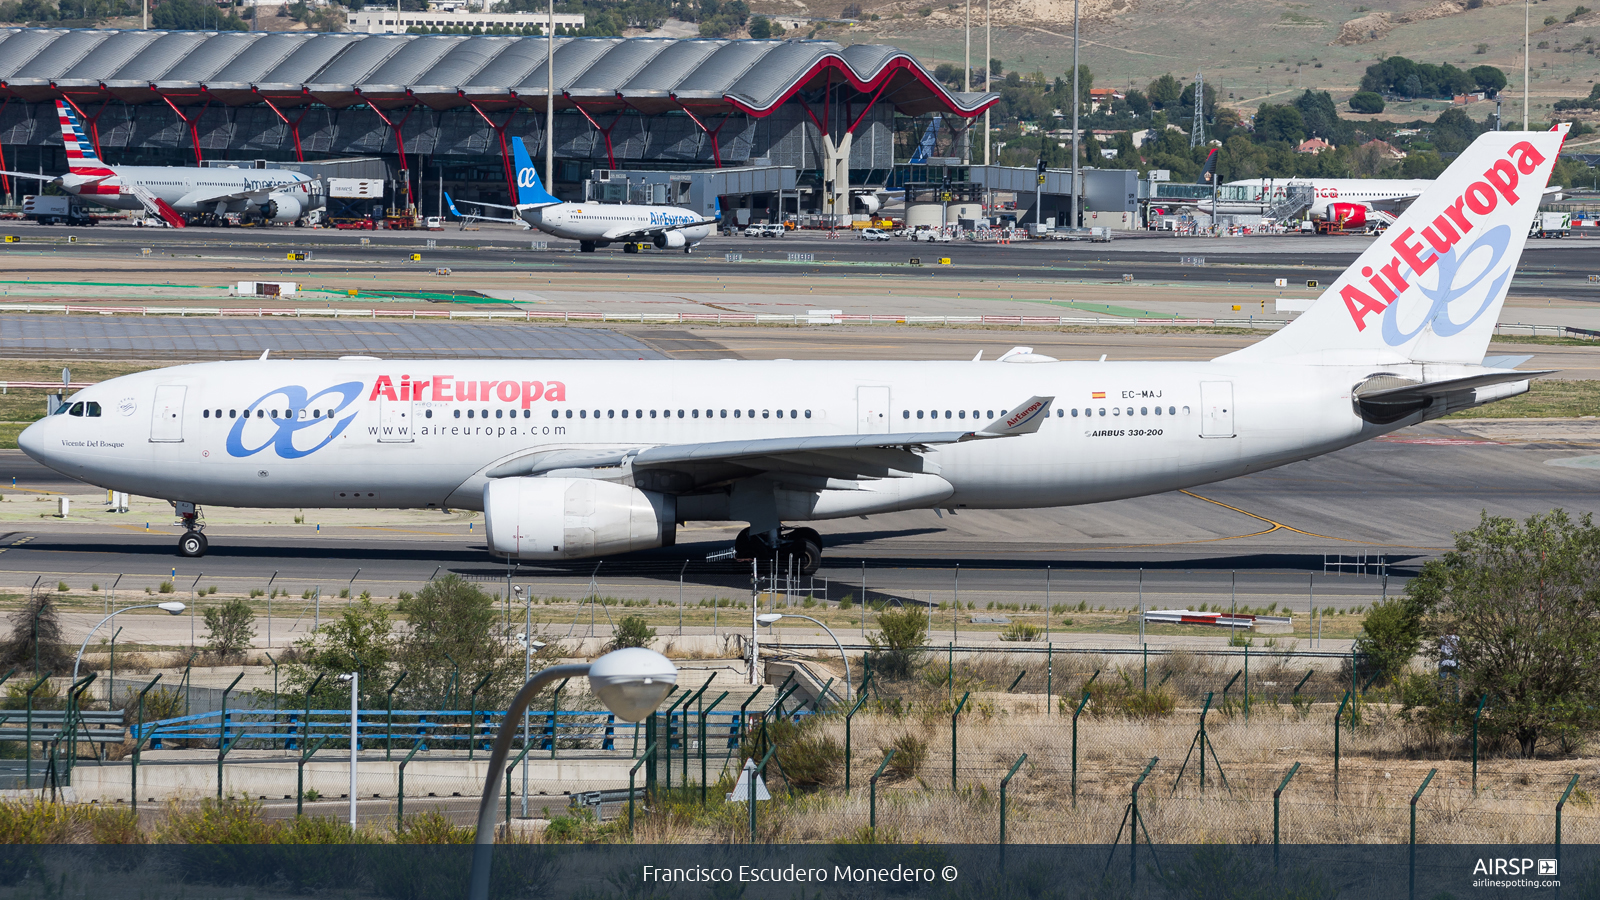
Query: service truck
[1551,225]
[55,209]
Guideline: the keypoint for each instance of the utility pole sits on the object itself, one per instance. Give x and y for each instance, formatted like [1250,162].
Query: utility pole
[1197,131]
[988,75]
[1073,188]
[550,104]
[1526,7]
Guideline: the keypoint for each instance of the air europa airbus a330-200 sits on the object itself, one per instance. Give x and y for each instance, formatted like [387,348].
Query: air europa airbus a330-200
[582,458]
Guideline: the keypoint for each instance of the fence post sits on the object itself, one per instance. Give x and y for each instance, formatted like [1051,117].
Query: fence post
[757,692]
[755,775]
[1004,783]
[1075,713]
[388,717]
[27,741]
[1049,673]
[472,720]
[525,749]
[400,789]
[1559,804]
[222,727]
[305,723]
[555,714]
[1275,795]
[139,737]
[848,716]
[703,714]
[649,754]
[1336,717]
[872,802]
[1412,881]
[300,774]
[1475,716]
[1247,682]
[953,716]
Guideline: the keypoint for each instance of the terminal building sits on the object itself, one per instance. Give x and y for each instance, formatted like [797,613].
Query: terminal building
[803,121]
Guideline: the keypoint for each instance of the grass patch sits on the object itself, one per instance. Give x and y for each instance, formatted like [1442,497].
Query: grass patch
[1545,399]
[9,432]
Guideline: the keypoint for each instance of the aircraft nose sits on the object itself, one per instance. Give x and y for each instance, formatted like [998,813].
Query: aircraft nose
[31,441]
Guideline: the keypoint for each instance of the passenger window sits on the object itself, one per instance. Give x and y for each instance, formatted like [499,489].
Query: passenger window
[991,414]
[261,413]
[527,414]
[680,413]
[1074,412]
[426,414]
[1102,412]
[204,413]
[583,414]
[638,414]
[724,414]
[808,413]
[233,414]
[611,414]
[736,414]
[569,413]
[780,413]
[1186,410]
[1142,411]
[752,414]
[764,414]
[1130,410]
[624,414]
[919,413]
[555,413]
[499,414]
[1173,410]
[1158,410]
[652,414]
[1116,410]
[458,413]
[470,413]
[694,413]
[905,414]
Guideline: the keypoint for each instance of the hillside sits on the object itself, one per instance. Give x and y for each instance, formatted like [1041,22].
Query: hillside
[1254,50]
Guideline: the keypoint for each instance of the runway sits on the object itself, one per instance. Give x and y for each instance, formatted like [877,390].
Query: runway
[1547,266]
[1399,498]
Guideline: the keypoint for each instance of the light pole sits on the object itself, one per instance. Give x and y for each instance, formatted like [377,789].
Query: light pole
[630,682]
[173,607]
[771,618]
[354,680]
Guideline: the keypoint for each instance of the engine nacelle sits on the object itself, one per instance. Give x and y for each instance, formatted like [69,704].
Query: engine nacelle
[670,240]
[1344,215]
[573,518]
[281,208]
[870,202]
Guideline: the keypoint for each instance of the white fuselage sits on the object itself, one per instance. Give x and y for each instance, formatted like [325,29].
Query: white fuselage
[326,434]
[188,190]
[604,222]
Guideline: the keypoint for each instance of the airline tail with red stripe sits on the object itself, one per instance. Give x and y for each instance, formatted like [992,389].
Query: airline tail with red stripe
[80,151]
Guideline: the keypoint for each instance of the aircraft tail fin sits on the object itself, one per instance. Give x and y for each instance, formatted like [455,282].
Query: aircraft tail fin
[451,203]
[1210,168]
[80,150]
[530,191]
[1431,287]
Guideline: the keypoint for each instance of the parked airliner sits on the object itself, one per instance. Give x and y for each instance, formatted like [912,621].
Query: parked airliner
[582,458]
[176,193]
[594,225]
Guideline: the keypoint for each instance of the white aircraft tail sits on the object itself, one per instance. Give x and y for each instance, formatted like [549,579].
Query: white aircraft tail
[1431,287]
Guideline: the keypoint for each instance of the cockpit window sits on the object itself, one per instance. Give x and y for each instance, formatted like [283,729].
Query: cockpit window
[92,409]
[77,409]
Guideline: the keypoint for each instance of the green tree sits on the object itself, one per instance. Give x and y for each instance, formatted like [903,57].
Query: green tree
[631,631]
[36,638]
[231,627]
[193,15]
[359,640]
[1280,123]
[760,28]
[1515,610]
[1164,92]
[897,646]
[1391,635]
[452,618]
[1367,103]
[1489,79]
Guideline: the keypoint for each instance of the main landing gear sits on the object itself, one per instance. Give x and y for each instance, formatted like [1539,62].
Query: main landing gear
[193,544]
[801,546]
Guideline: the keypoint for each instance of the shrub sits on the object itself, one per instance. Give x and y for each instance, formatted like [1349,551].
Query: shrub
[806,758]
[897,646]
[62,586]
[232,627]
[165,588]
[631,631]
[431,827]
[229,821]
[910,752]
[1021,631]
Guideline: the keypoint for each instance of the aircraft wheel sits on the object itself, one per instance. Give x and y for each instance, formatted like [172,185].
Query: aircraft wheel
[193,544]
[745,547]
[586,246]
[807,556]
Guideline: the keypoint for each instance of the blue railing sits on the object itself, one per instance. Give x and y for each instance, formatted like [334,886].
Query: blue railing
[293,729]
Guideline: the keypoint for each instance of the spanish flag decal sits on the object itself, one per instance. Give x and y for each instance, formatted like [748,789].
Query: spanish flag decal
[1099,395]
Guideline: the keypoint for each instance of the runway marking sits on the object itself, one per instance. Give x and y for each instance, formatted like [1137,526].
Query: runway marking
[1438,441]
[1277,525]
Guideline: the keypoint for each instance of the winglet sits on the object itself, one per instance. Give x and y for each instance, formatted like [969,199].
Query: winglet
[1025,419]
[530,191]
[450,202]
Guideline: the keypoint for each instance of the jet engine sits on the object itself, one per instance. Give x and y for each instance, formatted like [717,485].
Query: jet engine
[1344,215]
[670,240]
[870,202]
[281,208]
[573,518]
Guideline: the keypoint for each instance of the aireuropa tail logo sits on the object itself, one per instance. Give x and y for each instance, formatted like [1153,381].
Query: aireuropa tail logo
[1471,267]
[287,419]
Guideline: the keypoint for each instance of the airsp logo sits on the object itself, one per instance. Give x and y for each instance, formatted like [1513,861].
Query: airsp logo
[1498,866]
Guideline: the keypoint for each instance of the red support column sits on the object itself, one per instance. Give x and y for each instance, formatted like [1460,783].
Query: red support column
[716,149]
[399,140]
[294,127]
[191,121]
[92,121]
[505,153]
[5,180]
[611,158]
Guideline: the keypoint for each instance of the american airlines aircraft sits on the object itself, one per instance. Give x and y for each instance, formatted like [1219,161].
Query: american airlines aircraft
[581,458]
[594,224]
[175,193]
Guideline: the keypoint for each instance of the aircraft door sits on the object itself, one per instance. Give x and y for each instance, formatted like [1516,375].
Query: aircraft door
[1216,409]
[872,410]
[394,421]
[166,417]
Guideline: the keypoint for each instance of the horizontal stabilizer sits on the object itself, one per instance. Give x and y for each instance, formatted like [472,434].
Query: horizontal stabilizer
[1505,362]
[1385,388]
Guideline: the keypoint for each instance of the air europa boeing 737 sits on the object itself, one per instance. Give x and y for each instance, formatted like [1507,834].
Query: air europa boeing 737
[585,458]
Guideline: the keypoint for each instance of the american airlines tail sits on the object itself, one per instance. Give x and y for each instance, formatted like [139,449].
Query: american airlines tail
[1429,290]
[80,151]
[530,191]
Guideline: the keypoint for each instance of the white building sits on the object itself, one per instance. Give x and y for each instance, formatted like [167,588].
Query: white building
[379,20]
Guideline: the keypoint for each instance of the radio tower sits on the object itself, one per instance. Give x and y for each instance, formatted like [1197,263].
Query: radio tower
[1197,132]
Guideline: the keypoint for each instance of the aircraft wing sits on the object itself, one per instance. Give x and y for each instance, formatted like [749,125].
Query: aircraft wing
[476,217]
[1394,206]
[33,175]
[644,234]
[843,456]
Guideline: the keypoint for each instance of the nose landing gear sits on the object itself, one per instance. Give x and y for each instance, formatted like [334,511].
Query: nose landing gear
[193,544]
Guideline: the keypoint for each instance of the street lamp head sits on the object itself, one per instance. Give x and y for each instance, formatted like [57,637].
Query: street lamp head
[768,618]
[347,677]
[172,606]
[517,589]
[632,681]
